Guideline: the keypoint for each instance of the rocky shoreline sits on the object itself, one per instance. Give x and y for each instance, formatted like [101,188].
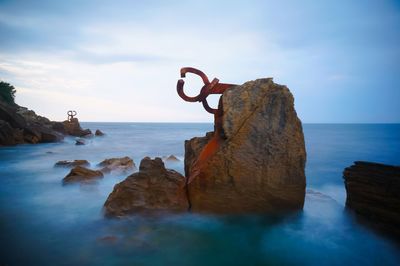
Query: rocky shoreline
[19,125]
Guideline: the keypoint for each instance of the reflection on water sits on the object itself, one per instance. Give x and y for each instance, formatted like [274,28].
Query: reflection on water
[45,223]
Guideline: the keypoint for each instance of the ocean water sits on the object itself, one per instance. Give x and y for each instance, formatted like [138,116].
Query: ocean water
[45,223]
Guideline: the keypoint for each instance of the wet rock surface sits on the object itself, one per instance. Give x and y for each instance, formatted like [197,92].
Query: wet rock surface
[98,133]
[259,164]
[153,188]
[122,164]
[73,163]
[373,192]
[82,174]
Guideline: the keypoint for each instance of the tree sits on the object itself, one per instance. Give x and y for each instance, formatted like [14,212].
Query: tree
[7,92]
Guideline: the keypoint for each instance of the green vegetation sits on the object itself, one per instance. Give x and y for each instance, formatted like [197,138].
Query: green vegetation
[7,92]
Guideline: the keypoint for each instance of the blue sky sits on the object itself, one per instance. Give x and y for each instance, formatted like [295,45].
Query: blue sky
[120,60]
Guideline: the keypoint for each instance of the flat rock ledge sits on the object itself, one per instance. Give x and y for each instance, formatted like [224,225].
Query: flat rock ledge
[153,189]
[81,174]
[73,163]
[373,192]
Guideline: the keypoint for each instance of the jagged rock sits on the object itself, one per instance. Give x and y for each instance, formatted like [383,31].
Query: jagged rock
[80,142]
[123,164]
[73,128]
[153,188]
[26,126]
[72,163]
[171,158]
[82,174]
[259,164]
[99,133]
[373,192]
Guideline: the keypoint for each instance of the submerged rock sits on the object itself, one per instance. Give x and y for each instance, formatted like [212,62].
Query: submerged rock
[373,192]
[153,188]
[117,164]
[80,142]
[99,133]
[259,164]
[72,163]
[82,174]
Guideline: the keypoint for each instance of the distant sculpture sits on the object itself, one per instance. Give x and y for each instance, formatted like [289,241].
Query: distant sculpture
[71,115]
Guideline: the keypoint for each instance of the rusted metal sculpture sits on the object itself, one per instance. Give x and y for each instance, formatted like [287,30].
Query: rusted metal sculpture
[71,115]
[213,87]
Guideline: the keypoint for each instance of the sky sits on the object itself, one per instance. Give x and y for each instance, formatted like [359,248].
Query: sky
[120,60]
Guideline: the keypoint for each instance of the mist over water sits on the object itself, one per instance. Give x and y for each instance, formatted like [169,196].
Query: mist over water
[45,223]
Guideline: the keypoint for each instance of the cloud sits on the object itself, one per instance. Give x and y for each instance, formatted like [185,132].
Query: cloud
[121,61]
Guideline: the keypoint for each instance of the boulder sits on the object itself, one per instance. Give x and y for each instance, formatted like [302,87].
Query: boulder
[72,163]
[73,128]
[373,192]
[123,164]
[153,188]
[99,133]
[80,142]
[258,164]
[171,158]
[82,174]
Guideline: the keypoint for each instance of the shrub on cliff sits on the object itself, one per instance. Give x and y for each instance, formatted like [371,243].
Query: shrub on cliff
[7,92]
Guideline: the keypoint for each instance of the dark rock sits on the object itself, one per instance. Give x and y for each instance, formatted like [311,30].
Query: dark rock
[171,158]
[82,174]
[6,133]
[27,127]
[153,188]
[373,192]
[72,163]
[258,165]
[99,133]
[117,164]
[80,142]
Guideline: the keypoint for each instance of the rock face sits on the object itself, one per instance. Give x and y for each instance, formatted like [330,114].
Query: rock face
[153,188]
[19,125]
[259,165]
[73,128]
[72,163]
[117,164]
[373,192]
[82,174]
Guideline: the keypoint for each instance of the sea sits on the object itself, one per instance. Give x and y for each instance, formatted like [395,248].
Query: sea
[43,222]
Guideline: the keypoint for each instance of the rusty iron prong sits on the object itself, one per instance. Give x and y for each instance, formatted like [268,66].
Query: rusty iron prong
[192,70]
[208,108]
[179,88]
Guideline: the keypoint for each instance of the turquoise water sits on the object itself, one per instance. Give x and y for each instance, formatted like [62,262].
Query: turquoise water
[45,223]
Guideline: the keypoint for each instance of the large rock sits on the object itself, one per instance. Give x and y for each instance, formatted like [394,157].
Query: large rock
[21,125]
[153,188]
[373,192]
[123,164]
[82,174]
[73,128]
[259,163]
